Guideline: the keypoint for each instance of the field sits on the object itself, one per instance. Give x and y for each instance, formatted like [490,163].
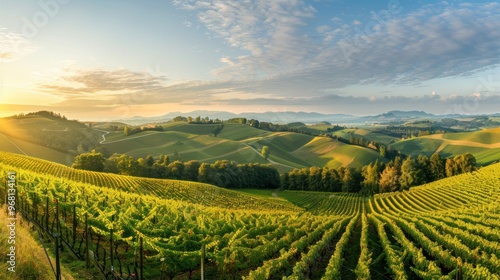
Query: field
[443,230]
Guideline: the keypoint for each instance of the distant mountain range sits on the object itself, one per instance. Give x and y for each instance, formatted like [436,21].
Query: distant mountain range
[274,117]
[305,117]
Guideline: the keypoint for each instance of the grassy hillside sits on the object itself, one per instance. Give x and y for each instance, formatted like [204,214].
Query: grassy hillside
[239,143]
[52,137]
[12,144]
[484,145]
[487,136]
[368,133]
[323,151]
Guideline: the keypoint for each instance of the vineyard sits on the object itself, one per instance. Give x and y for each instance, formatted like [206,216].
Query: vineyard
[449,229]
[194,192]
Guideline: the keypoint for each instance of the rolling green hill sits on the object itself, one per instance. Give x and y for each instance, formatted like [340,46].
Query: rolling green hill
[487,136]
[242,144]
[323,151]
[368,133]
[47,135]
[12,144]
[57,139]
[484,145]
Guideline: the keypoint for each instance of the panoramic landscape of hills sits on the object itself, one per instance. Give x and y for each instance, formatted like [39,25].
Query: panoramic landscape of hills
[304,140]
[319,202]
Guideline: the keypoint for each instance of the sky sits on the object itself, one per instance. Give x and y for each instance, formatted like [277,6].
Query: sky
[115,59]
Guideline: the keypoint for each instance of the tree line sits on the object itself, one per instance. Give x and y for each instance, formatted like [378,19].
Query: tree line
[397,175]
[222,173]
[133,130]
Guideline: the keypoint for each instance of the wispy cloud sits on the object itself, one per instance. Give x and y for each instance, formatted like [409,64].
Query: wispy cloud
[270,31]
[13,46]
[84,82]
[435,41]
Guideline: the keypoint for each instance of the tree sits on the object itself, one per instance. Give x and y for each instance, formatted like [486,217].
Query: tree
[314,179]
[383,151]
[179,119]
[191,170]
[424,165]
[205,173]
[285,181]
[150,161]
[410,174]
[126,130]
[465,163]
[90,161]
[255,123]
[176,169]
[371,175]
[452,167]
[437,167]
[335,180]
[163,160]
[348,180]
[265,152]
[141,169]
[111,164]
[389,179]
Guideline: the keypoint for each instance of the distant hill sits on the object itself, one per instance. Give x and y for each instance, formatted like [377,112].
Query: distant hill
[394,117]
[275,117]
[47,135]
[484,145]
[242,144]
[51,136]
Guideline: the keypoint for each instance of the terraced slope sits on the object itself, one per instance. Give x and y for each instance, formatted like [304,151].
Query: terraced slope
[186,191]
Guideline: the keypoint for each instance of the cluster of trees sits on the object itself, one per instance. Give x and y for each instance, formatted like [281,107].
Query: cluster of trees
[342,179]
[399,174]
[47,114]
[93,161]
[196,120]
[129,131]
[223,173]
[335,128]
